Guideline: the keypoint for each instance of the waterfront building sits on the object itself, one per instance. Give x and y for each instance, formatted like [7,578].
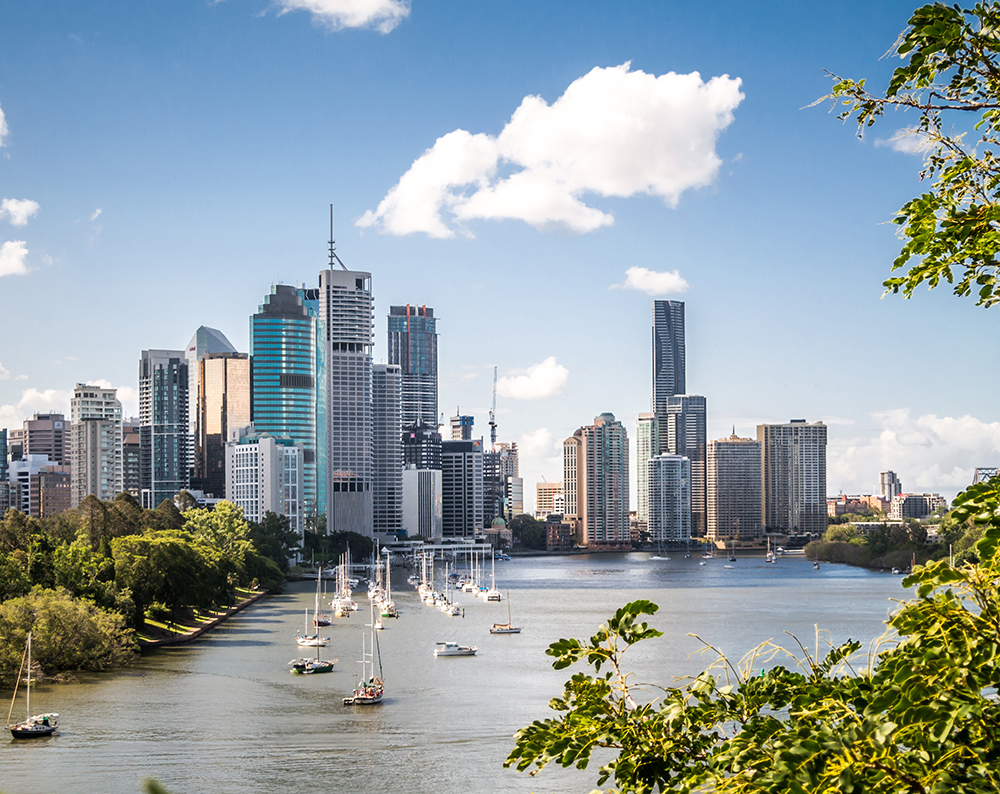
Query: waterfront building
[682,430]
[413,346]
[283,390]
[889,486]
[223,386]
[346,314]
[422,502]
[48,434]
[668,358]
[461,428]
[164,433]
[549,499]
[668,501]
[733,489]
[595,458]
[264,473]
[462,488]
[131,470]
[914,505]
[96,430]
[647,445]
[793,477]
[422,447]
[387,477]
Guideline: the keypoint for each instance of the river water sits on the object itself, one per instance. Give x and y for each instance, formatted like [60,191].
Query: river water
[224,714]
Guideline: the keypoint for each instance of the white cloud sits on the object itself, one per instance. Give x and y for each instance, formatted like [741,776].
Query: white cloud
[96,214]
[653,282]
[3,127]
[929,453]
[57,401]
[18,210]
[613,133]
[13,254]
[536,383]
[4,373]
[906,140]
[383,15]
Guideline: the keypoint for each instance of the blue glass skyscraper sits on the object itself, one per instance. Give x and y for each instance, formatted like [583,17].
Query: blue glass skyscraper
[283,337]
[413,346]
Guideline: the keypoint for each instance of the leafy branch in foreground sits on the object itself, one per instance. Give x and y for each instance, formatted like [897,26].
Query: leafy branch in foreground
[916,717]
[950,65]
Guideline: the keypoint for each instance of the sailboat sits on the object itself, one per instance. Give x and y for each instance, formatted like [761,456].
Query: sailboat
[732,553]
[319,619]
[33,726]
[311,640]
[370,688]
[307,666]
[508,627]
[493,594]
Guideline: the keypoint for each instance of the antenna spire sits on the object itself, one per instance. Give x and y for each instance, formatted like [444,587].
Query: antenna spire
[333,249]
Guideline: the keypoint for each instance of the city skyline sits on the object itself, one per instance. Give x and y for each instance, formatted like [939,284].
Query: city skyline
[160,173]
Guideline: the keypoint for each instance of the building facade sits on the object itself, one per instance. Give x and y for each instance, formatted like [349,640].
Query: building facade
[164,437]
[48,434]
[596,458]
[549,499]
[131,455]
[669,366]
[914,505]
[413,346]
[461,428]
[264,473]
[647,445]
[204,342]
[682,430]
[793,477]
[387,488]
[462,488]
[422,447]
[422,502]
[889,486]
[734,489]
[97,457]
[668,500]
[223,386]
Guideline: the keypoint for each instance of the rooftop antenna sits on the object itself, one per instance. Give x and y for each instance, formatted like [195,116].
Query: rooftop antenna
[333,250]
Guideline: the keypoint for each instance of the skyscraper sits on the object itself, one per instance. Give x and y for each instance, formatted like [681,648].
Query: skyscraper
[461,488]
[164,437]
[96,431]
[682,431]
[205,341]
[734,489]
[889,486]
[413,346]
[793,477]
[387,478]
[461,428]
[283,383]
[595,457]
[346,307]
[422,447]
[223,385]
[647,445]
[668,498]
[668,357]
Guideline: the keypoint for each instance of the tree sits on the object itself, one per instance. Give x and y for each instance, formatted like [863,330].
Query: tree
[274,538]
[528,531]
[951,67]
[914,718]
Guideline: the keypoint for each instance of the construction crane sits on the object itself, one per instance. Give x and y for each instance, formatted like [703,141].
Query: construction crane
[493,414]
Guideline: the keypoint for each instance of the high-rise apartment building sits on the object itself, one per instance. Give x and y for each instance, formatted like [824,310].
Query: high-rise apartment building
[889,486]
[549,499]
[734,489]
[647,445]
[387,478]
[595,458]
[668,498]
[263,474]
[283,384]
[462,488]
[413,346]
[793,477]
[223,404]
[96,429]
[668,357]
[48,434]
[164,433]
[131,455]
[346,309]
[461,428]
[682,430]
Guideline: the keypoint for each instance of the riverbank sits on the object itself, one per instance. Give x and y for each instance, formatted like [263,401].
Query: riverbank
[194,628]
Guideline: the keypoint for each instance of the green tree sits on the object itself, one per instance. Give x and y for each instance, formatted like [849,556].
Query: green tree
[528,531]
[274,538]
[950,69]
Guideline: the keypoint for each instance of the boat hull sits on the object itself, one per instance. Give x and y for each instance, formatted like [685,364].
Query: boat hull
[505,630]
[31,731]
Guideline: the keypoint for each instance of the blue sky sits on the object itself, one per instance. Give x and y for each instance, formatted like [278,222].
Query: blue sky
[182,156]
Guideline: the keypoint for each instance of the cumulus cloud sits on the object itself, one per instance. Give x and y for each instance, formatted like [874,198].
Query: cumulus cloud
[18,210]
[383,15]
[653,282]
[906,140]
[613,133]
[4,373]
[13,254]
[3,127]
[929,453]
[96,214]
[536,383]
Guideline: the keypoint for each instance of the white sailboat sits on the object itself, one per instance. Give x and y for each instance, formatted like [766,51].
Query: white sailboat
[33,726]
[508,627]
[493,594]
[311,640]
[370,688]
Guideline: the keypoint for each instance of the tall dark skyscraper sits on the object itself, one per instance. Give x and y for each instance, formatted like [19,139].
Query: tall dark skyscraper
[413,346]
[164,437]
[668,359]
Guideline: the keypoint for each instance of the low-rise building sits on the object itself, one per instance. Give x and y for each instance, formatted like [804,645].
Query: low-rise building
[914,505]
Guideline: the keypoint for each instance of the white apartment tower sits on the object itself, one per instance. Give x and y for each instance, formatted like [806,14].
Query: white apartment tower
[734,489]
[647,444]
[669,498]
[264,474]
[96,444]
[347,318]
[793,477]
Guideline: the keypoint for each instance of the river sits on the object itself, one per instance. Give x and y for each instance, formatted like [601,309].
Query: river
[224,715]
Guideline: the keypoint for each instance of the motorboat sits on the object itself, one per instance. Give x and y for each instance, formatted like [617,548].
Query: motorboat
[454,649]
[34,726]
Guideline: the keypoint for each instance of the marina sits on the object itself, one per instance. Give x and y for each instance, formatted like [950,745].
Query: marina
[223,714]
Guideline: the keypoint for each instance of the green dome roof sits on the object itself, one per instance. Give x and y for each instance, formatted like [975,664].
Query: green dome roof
[499,522]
